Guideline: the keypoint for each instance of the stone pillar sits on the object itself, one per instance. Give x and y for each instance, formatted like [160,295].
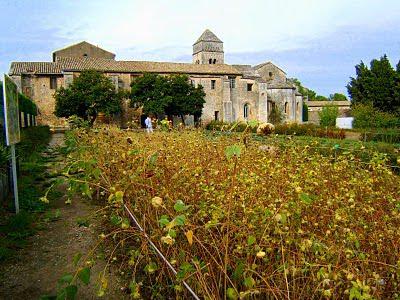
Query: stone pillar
[262,103]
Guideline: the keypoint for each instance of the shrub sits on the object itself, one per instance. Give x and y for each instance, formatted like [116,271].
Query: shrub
[276,115]
[305,112]
[265,129]
[33,139]
[366,116]
[328,115]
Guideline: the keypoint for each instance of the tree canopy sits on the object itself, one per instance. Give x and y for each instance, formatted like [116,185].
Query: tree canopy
[89,93]
[337,97]
[378,85]
[171,95]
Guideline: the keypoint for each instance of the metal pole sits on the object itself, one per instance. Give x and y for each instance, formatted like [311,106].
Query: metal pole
[14,175]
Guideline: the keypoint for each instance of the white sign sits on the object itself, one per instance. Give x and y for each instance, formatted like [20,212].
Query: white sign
[345,123]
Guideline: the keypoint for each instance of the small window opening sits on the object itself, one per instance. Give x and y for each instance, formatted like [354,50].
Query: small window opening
[286,108]
[85,55]
[213,84]
[270,74]
[232,82]
[246,111]
[216,115]
[53,82]
[249,87]
[210,61]
[214,61]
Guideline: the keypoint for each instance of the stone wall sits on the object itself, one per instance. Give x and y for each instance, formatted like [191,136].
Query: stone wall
[83,50]
[272,73]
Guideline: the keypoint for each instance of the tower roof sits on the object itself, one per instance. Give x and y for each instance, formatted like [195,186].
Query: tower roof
[208,36]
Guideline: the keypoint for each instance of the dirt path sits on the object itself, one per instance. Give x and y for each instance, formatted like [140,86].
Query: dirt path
[35,269]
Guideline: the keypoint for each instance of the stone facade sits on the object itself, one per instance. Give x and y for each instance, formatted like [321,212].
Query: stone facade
[314,107]
[233,92]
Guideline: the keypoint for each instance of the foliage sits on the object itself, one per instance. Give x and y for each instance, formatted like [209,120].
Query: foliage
[90,93]
[171,95]
[310,94]
[366,116]
[378,85]
[309,130]
[328,115]
[238,221]
[276,115]
[76,122]
[391,136]
[26,105]
[305,112]
[33,139]
[4,158]
[321,98]
[337,97]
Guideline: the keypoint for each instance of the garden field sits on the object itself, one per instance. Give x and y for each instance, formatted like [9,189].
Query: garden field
[240,217]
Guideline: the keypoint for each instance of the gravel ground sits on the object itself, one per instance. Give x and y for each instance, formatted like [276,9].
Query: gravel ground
[35,269]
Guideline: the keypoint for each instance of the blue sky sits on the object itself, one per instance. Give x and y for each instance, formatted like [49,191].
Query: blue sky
[318,42]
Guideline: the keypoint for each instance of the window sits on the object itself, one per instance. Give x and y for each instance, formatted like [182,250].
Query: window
[216,115]
[213,84]
[286,108]
[232,82]
[210,61]
[249,87]
[246,110]
[53,82]
[85,55]
[270,74]
[214,61]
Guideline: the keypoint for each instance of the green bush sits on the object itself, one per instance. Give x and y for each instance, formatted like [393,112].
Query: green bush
[33,139]
[276,115]
[309,130]
[328,115]
[366,116]
[26,105]
[391,136]
[305,112]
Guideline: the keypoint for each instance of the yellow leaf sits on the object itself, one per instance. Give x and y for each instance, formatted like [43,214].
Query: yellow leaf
[189,236]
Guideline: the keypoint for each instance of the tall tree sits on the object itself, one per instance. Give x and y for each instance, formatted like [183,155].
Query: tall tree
[337,97]
[172,95]
[89,93]
[378,85]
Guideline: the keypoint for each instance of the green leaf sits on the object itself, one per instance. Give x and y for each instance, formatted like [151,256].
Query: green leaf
[180,220]
[119,197]
[67,278]
[71,292]
[172,233]
[305,198]
[151,267]
[84,275]
[76,258]
[179,206]
[249,282]
[153,159]
[251,240]
[164,221]
[234,150]
[125,224]
[267,213]
[115,220]
[231,294]
[238,272]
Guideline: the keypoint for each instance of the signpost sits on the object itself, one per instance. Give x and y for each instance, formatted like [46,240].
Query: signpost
[11,122]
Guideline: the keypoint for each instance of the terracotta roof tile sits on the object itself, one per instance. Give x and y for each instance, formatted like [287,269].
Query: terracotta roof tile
[18,68]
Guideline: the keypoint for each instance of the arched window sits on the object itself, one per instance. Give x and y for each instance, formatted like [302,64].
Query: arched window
[85,55]
[214,61]
[286,108]
[210,61]
[246,111]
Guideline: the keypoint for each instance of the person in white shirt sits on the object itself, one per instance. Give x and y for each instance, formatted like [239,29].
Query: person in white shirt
[149,125]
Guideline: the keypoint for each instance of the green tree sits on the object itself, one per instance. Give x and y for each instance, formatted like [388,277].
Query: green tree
[89,93]
[310,94]
[276,115]
[328,115]
[378,85]
[321,98]
[337,97]
[172,95]
[305,112]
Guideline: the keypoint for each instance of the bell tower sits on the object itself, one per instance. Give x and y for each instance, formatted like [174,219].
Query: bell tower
[208,49]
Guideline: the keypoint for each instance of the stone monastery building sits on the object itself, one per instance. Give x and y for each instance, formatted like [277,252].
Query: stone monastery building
[233,92]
